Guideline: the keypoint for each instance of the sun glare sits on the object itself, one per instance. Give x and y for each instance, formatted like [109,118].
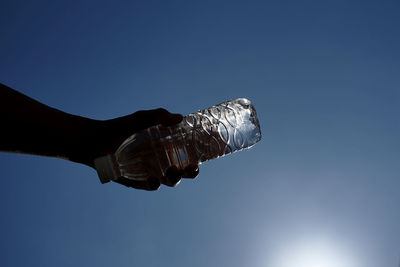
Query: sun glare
[314,254]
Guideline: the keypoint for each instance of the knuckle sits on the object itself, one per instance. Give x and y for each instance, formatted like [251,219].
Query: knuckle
[177,183]
[153,184]
[152,188]
[162,111]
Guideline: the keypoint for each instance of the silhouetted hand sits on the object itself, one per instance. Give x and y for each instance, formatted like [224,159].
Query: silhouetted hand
[113,132]
[31,127]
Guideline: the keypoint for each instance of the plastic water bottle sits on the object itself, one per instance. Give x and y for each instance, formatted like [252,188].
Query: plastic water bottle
[206,134]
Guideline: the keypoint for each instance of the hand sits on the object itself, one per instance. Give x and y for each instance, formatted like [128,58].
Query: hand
[111,133]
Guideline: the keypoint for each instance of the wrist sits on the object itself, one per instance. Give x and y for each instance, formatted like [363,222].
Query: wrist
[82,140]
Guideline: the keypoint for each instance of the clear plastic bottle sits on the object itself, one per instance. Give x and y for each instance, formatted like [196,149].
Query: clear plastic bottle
[206,134]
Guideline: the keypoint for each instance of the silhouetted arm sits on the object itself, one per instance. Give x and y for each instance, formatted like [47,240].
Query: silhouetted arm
[28,126]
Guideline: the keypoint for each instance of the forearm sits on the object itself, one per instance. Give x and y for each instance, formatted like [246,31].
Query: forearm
[28,126]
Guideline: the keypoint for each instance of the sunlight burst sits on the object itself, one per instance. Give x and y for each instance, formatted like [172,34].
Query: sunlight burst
[314,254]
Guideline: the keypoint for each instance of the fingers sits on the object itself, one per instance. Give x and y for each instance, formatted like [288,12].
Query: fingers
[173,175]
[172,178]
[191,171]
[151,184]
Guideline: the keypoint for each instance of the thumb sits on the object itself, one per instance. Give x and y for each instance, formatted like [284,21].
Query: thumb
[119,129]
[147,118]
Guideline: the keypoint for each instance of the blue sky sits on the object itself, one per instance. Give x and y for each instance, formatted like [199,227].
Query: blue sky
[323,76]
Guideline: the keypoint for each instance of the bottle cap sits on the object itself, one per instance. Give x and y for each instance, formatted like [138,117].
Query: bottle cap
[106,168]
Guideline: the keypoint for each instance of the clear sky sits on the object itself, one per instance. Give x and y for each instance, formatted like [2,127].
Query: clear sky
[320,189]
